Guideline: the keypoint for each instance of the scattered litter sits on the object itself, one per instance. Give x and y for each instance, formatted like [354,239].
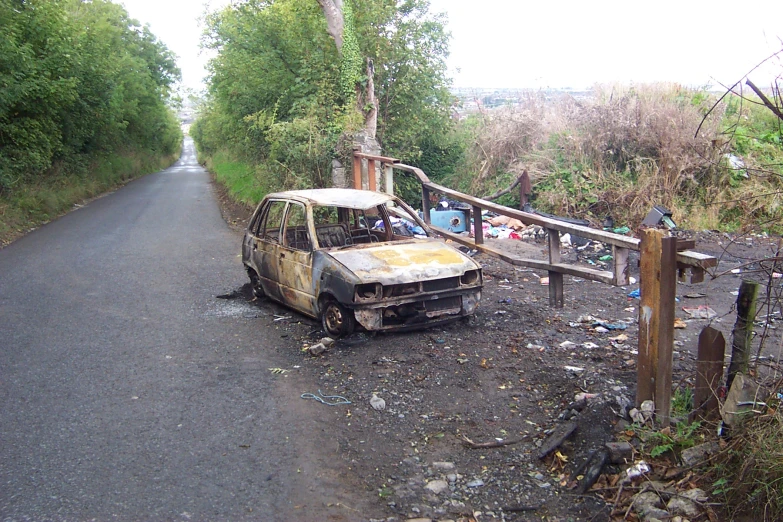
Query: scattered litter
[700,312]
[736,271]
[583,396]
[679,323]
[601,329]
[278,370]
[544,281]
[638,469]
[635,294]
[574,369]
[644,414]
[607,257]
[632,280]
[695,295]
[621,230]
[589,345]
[586,319]
[322,398]
[620,338]
[567,344]
[377,403]
[776,275]
[610,326]
[281,317]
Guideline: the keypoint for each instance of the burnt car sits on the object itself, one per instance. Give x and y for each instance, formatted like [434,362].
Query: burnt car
[353,256]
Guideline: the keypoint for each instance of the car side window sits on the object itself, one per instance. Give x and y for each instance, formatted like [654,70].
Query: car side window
[296,235]
[258,218]
[270,229]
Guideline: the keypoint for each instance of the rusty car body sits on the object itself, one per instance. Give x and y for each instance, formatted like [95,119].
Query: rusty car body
[351,256]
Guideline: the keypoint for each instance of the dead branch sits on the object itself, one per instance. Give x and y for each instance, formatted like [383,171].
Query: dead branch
[771,106]
[519,509]
[492,444]
[728,91]
[499,193]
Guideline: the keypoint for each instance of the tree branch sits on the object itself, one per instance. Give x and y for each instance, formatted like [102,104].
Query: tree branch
[771,106]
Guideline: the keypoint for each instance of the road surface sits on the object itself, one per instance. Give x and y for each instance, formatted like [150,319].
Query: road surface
[127,390]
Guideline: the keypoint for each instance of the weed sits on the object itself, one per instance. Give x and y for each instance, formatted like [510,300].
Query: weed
[682,402]
[659,442]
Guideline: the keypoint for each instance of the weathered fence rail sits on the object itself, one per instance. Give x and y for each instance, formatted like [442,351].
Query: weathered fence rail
[690,265]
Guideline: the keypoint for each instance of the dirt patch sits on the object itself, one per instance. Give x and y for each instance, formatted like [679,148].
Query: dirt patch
[510,373]
[235,214]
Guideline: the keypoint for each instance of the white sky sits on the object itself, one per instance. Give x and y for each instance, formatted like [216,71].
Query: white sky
[565,43]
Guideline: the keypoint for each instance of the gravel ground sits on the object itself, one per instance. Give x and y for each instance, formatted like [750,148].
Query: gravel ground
[509,375]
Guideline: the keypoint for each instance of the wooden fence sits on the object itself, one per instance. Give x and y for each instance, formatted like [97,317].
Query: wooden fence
[690,265]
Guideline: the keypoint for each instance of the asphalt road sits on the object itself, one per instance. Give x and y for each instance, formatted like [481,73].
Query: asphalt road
[127,390]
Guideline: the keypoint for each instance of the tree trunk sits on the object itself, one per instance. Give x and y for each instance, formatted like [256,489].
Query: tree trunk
[333,11]
[742,334]
[366,102]
[370,108]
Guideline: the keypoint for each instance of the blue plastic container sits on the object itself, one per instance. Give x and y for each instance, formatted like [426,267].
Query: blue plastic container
[451,220]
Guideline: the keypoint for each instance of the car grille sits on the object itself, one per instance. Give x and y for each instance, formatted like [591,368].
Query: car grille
[437,285]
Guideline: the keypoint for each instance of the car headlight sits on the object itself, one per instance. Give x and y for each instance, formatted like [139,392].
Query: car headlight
[471,277]
[367,292]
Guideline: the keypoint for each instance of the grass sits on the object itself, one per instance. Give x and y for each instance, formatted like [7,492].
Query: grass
[749,475]
[34,204]
[240,178]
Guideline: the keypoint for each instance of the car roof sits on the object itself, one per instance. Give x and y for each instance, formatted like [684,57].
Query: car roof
[338,197]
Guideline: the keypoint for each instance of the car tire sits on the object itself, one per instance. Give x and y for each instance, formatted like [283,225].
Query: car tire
[337,321]
[255,283]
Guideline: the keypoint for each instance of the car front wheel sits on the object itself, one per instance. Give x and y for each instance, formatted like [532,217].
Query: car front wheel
[337,321]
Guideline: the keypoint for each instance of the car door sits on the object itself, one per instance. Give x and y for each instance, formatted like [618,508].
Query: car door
[295,261]
[264,247]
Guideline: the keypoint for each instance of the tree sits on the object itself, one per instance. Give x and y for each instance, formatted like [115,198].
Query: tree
[79,78]
[295,82]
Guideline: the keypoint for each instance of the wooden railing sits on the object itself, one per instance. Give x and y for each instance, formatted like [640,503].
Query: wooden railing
[690,265]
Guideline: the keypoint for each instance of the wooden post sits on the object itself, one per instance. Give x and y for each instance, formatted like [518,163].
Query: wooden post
[372,181]
[709,372]
[742,333]
[656,320]
[555,278]
[388,171]
[525,189]
[620,256]
[478,226]
[357,172]
[425,204]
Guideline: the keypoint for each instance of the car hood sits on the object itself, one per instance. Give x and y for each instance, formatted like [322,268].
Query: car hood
[405,261]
